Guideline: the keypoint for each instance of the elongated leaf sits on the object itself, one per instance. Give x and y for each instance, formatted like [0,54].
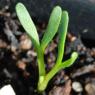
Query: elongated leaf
[62,35]
[52,27]
[27,23]
[70,61]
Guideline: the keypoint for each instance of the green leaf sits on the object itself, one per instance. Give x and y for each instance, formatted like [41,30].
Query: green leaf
[27,23]
[70,61]
[62,35]
[52,27]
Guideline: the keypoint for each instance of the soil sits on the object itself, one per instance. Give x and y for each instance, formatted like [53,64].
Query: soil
[18,61]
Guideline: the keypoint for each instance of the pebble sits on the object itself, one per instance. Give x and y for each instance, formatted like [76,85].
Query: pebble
[90,88]
[51,47]
[21,64]
[31,53]
[71,37]
[7,90]
[93,52]
[61,90]
[2,44]
[77,87]
[25,43]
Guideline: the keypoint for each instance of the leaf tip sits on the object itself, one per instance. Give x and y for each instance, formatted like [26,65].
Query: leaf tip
[66,15]
[74,55]
[18,5]
[58,8]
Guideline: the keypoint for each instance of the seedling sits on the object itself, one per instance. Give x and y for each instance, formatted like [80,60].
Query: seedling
[58,22]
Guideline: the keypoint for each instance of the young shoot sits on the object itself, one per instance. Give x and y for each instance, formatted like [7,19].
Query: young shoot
[58,22]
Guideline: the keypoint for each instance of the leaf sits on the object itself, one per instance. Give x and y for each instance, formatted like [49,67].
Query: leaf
[52,27]
[27,23]
[70,61]
[62,35]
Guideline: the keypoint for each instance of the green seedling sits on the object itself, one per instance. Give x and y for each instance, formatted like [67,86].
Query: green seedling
[58,22]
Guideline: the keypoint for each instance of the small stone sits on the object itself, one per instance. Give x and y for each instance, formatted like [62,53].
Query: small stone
[61,90]
[93,52]
[25,43]
[7,90]
[13,48]
[71,37]
[89,59]
[31,53]
[77,87]
[2,44]
[51,47]
[90,88]
[21,64]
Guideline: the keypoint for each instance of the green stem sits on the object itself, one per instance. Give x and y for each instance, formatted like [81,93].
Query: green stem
[58,66]
[43,84]
[41,63]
